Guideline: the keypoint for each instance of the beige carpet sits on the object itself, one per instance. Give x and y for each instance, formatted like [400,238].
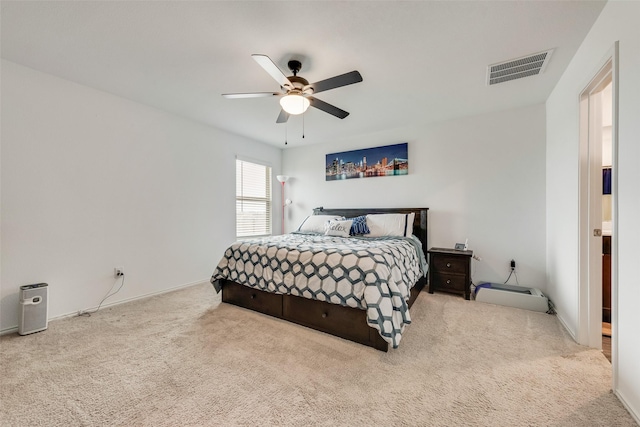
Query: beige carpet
[184,359]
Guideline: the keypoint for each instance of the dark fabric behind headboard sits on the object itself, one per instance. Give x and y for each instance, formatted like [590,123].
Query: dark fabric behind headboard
[419,222]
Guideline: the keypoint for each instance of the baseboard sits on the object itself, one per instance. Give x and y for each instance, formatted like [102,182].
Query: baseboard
[633,414]
[8,331]
[566,328]
[14,329]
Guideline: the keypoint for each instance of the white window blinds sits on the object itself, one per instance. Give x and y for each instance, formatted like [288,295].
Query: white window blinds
[253,199]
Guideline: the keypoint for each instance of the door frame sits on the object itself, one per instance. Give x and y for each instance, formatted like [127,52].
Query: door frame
[590,200]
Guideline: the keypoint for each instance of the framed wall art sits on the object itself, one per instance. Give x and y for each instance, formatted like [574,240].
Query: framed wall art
[389,160]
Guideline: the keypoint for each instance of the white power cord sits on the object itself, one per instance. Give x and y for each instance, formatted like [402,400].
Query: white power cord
[88,313]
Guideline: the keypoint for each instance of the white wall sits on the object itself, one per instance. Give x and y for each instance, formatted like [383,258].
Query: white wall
[91,181]
[618,21]
[483,178]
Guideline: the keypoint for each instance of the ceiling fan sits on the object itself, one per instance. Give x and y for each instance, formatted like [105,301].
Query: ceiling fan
[297,92]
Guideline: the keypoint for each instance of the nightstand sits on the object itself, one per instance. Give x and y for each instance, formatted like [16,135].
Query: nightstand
[450,271]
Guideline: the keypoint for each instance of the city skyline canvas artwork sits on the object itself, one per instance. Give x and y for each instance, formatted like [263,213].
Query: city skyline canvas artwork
[388,160]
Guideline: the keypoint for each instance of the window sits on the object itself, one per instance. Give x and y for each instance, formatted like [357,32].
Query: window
[253,199]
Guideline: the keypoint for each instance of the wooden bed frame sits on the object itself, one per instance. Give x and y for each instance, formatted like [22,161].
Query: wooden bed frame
[344,322]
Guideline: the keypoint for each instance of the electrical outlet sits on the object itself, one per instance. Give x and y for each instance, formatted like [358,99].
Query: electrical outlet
[513,265]
[118,272]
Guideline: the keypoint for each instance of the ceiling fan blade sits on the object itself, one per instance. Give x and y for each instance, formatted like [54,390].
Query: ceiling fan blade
[270,67]
[283,117]
[327,108]
[250,95]
[337,81]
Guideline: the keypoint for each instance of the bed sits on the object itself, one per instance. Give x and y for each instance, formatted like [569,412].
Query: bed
[347,315]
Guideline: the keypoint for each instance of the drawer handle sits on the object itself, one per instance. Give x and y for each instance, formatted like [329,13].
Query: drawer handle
[253,296]
[324,315]
[448,265]
[449,282]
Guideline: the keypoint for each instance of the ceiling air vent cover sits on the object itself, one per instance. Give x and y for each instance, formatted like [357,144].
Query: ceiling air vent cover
[518,68]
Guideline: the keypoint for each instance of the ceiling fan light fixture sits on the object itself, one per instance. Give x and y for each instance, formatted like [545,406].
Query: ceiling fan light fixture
[294,103]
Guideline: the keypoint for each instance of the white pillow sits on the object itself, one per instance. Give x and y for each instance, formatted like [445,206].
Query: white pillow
[316,223]
[390,224]
[338,227]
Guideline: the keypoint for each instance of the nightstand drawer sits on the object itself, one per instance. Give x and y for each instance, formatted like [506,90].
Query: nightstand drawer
[450,265]
[450,282]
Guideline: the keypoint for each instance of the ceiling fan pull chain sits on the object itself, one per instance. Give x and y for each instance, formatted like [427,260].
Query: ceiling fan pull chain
[303,126]
[286,131]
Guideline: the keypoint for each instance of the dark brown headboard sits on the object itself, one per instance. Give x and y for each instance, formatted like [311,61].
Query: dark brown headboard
[419,222]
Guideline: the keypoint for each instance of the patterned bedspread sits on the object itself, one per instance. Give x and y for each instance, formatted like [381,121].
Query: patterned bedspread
[374,274]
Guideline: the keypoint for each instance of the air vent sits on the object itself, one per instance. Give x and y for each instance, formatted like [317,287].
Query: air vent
[526,66]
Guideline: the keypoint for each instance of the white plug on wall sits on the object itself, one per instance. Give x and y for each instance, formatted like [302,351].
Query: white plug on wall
[118,272]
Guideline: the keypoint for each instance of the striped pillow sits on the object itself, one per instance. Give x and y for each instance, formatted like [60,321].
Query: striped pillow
[390,224]
[359,226]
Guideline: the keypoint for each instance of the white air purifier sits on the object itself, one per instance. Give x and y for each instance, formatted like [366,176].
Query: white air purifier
[34,305]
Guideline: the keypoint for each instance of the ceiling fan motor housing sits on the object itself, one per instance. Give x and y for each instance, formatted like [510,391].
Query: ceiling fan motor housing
[300,84]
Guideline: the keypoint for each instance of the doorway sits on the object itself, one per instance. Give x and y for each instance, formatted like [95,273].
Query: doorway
[606,102]
[598,209]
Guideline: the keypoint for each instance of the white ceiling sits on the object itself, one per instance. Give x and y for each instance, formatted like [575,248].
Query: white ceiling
[421,61]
